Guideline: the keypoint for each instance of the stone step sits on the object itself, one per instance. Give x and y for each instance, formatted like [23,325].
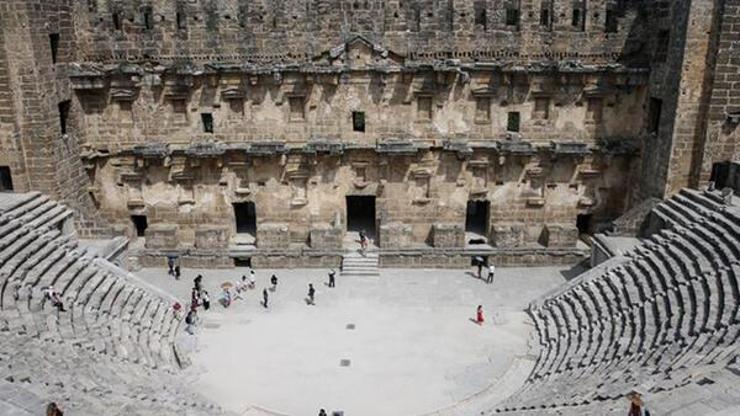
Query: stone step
[346,266]
[356,264]
[361,273]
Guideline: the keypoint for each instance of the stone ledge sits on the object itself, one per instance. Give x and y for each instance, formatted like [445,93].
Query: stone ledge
[413,257]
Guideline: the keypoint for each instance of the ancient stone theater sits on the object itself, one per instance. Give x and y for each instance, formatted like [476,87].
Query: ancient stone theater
[232,131]
[430,134]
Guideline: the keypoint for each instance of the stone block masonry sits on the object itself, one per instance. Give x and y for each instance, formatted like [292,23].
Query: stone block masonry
[722,131]
[44,142]
[252,126]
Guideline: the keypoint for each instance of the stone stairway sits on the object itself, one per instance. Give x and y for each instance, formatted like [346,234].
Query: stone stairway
[356,264]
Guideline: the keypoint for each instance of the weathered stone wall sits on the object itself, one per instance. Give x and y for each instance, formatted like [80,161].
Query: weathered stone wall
[272,30]
[10,153]
[178,109]
[415,192]
[666,43]
[697,83]
[521,258]
[571,106]
[722,137]
[43,158]
[180,145]
[692,93]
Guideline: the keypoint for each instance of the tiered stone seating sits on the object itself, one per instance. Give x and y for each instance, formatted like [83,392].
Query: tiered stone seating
[85,383]
[112,350]
[650,320]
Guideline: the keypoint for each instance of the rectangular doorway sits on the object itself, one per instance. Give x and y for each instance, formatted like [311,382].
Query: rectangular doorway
[476,222]
[361,214]
[6,180]
[140,224]
[720,174]
[583,223]
[246,218]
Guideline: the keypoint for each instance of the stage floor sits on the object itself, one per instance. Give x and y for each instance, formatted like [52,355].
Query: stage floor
[402,343]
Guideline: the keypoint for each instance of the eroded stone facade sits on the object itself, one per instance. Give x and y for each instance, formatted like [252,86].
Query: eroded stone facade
[177,110]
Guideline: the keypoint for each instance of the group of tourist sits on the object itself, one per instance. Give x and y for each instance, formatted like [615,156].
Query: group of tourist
[199,297]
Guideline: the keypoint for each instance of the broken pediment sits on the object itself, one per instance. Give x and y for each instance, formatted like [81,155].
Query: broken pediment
[359,52]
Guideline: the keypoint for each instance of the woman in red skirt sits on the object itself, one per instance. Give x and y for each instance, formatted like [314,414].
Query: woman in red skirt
[479,315]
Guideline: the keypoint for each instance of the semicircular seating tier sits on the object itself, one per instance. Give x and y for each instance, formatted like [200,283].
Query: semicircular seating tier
[114,348]
[662,319]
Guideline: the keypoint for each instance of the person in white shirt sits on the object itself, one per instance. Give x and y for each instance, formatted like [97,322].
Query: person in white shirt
[252,280]
[55,299]
[491,271]
[241,285]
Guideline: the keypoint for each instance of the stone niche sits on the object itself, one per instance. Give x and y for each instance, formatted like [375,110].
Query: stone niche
[209,237]
[559,235]
[508,235]
[395,235]
[161,237]
[325,237]
[448,236]
[273,235]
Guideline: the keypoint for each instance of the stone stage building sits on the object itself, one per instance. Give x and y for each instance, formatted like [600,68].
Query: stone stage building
[271,132]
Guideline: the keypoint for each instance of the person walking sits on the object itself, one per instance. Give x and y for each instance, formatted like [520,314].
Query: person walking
[190,321]
[206,300]
[273,282]
[171,265]
[264,298]
[363,241]
[332,274]
[311,293]
[198,282]
[177,268]
[195,297]
[491,271]
[479,315]
[479,262]
[241,285]
[252,279]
